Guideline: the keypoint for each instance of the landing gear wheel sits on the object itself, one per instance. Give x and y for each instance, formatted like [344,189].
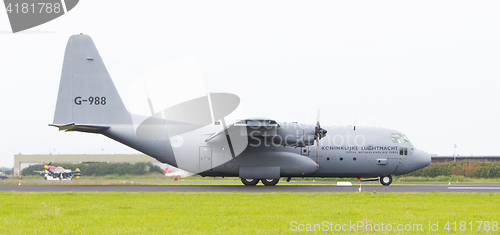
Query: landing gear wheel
[386,180]
[270,182]
[249,182]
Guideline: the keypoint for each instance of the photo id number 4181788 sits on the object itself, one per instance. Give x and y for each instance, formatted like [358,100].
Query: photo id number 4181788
[40,8]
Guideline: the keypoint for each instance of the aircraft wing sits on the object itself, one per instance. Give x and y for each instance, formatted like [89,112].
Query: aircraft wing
[80,127]
[218,133]
[261,126]
[41,172]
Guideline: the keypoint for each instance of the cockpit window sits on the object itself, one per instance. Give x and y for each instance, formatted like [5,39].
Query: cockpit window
[399,138]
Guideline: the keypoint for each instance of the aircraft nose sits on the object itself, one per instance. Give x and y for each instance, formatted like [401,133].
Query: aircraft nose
[421,159]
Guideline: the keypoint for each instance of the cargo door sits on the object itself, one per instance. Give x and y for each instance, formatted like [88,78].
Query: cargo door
[205,158]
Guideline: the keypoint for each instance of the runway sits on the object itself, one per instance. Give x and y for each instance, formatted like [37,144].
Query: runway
[282,187]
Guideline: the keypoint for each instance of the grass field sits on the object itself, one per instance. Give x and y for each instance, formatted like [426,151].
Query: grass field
[157,176]
[159,179]
[243,213]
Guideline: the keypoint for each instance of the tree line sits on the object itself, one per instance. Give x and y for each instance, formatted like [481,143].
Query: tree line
[470,169]
[100,169]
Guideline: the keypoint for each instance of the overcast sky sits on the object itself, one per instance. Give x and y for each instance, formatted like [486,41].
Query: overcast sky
[429,69]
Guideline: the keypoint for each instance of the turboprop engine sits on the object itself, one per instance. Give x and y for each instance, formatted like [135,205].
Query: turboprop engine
[289,134]
[295,135]
[298,135]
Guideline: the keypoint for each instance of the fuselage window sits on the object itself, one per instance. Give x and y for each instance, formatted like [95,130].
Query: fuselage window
[403,151]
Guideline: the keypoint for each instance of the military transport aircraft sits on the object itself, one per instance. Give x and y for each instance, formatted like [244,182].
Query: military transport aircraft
[195,137]
[58,173]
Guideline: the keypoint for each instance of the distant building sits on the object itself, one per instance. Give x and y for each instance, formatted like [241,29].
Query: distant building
[22,161]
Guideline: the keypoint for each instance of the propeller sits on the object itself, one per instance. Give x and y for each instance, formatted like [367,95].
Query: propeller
[46,167]
[319,133]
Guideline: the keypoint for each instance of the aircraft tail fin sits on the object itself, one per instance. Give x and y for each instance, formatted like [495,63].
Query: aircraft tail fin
[87,95]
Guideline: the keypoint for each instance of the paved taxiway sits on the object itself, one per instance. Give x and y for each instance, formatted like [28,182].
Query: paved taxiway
[282,187]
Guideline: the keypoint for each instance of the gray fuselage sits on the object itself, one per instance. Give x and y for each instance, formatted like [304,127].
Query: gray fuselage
[344,152]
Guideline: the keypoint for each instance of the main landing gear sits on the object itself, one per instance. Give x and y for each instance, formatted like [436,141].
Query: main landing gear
[249,182]
[270,182]
[386,180]
[266,182]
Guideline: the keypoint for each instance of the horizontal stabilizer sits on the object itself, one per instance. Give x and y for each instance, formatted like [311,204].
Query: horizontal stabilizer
[80,127]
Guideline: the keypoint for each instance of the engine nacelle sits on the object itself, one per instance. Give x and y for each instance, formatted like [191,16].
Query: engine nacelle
[295,135]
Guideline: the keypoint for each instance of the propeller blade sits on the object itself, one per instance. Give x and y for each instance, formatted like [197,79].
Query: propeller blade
[319,132]
[317,119]
[317,155]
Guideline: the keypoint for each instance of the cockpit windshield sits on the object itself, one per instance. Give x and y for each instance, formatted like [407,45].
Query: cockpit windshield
[399,138]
